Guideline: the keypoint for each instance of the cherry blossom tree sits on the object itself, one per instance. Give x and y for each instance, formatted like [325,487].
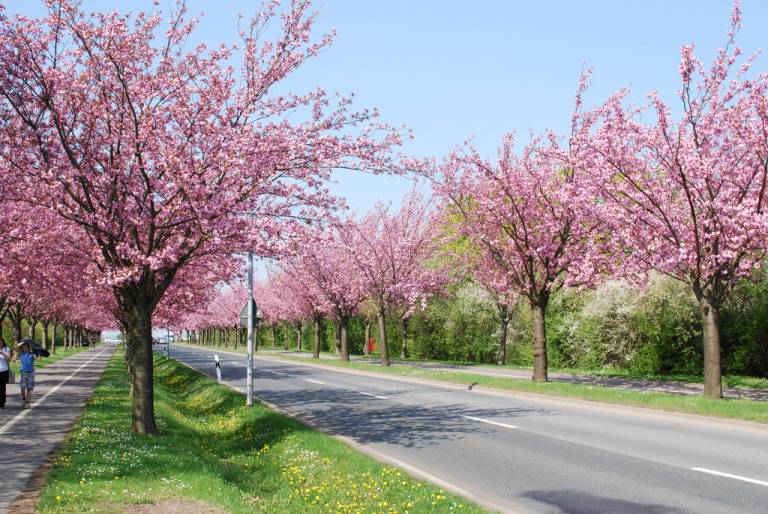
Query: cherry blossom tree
[391,252]
[466,259]
[163,154]
[336,282]
[528,220]
[295,284]
[686,196]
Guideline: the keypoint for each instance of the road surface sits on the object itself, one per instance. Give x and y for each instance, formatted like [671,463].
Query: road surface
[522,453]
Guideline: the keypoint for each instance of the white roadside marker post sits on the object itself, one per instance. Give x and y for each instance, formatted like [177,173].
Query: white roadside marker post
[218,367]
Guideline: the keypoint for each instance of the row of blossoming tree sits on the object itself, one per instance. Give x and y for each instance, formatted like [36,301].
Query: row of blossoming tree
[135,169]
[630,190]
[375,265]
[164,160]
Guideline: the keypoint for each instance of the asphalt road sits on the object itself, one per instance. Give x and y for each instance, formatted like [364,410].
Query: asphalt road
[522,453]
[28,435]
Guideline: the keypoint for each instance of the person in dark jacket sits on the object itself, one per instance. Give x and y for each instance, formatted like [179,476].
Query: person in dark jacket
[5,370]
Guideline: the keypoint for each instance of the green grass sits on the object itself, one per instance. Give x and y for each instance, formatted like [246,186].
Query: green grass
[748,410]
[213,449]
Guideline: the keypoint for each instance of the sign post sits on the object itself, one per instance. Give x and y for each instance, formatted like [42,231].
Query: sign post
[249,379]
[249,320]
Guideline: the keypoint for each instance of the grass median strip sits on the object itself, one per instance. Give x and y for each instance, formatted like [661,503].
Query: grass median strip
[216,454]
[748,410]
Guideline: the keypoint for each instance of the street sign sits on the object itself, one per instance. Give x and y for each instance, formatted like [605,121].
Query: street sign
[244,316]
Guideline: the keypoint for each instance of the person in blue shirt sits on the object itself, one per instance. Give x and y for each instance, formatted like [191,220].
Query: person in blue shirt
[27,380]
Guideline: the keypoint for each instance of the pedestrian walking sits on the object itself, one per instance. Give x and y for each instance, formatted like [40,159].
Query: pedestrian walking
[5,370]
[27,379]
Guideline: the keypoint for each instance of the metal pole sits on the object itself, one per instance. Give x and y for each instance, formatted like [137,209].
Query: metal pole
[249,375]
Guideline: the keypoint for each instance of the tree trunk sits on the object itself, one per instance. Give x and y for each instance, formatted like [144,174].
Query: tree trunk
[368,324]
[45,335]
[539,343]
[53,338]
[16,314]
[286,328]
[316,351]
[17,330]
[298,335]
[404,347]
[710,317]
[344,337]
[142,369]
[31,328]
[501,358]
[337,326]
[384,350]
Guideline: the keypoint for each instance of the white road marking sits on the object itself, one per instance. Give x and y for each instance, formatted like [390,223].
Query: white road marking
[278,373]
[481,420]
[314,381]
[374,395]
[18,417]
[728,475]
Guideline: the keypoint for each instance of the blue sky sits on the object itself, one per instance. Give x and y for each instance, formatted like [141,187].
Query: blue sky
[455,69]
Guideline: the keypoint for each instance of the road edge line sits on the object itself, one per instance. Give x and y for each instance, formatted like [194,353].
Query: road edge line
[741,478]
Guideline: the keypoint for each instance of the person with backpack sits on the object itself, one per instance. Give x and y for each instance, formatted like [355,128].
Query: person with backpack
[27,379]
[5,370]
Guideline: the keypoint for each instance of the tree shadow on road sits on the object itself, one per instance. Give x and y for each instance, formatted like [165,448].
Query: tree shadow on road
[372,420]
[570,501]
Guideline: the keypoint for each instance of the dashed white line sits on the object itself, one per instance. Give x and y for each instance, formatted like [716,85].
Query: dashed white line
[314,381]
[481,420]
[729,475]
[374,395]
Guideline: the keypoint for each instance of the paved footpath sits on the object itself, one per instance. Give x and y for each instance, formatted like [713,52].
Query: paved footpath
[29,435]
[630,384]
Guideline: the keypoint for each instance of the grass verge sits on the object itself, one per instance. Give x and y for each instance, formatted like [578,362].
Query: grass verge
[748,410]
[212,449]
